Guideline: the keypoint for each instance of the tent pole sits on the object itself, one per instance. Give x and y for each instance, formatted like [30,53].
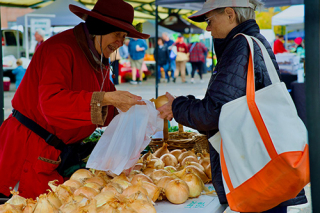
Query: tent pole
[286,37]
[1,83]
[156,52]
[312,66]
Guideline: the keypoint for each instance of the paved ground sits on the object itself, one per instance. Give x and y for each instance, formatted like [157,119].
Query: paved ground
[147,91]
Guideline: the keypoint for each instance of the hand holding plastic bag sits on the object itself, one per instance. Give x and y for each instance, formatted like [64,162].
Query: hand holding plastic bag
[125,138]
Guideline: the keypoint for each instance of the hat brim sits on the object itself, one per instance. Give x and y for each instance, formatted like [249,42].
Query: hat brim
[83,14]
[200,15]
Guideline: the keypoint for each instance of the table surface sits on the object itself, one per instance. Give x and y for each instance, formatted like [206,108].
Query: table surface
[204,203]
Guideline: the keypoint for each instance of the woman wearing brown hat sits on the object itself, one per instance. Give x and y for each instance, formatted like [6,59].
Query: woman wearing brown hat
[65,94]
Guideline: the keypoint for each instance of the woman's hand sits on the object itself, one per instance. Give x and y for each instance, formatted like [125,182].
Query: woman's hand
[123,100]
[166,109]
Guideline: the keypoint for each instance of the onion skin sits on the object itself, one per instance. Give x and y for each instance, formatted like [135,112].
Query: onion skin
[81,175]
[115,187]
[186,154]
[86,191]
[170,169]
[43,205]
[8,208]
[142,206]
[195,164]
[148,171]
[152,189]
[104,197]
[137,166]
[169,160]
[97,180]
[177,191]
[142,177]
[73,184]
[160,101]
[163,150]
[208,171]
[158,174]
[29,208]
[198,172]
[155,164]
[189,159]
[204,162]
[176,153]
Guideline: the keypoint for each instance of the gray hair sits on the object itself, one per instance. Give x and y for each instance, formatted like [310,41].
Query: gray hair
[245,13]
[40,32]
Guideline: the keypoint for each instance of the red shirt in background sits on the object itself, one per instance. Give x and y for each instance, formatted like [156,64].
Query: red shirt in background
[182,47]
[278,47]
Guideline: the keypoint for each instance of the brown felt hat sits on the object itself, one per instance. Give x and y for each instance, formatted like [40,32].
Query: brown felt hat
[114,12]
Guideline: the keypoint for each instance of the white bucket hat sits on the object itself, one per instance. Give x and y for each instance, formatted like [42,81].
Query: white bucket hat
[214,4]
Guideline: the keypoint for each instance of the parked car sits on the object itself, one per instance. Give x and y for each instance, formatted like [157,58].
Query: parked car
[12,43]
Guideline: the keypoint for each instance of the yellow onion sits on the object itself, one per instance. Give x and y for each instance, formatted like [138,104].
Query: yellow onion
[104,197]
[177,191]
[137,166]
[79,198]
[160,101]
[89,206]
[73,184]
[208,171]
[142,206]
[53,185]
[198,171]
[169,160]
[180,173]
[122,176]
[64,193]
[123,208]
[97,180]
[205,153]
[158,174]
[16,200]
[170,169]
[69,207]
[103,175]
[148,171]
[134,173]
[43,205]
[186,154]
[95,186]
[115,187]
[194,183]
[195,164]
[161,151]
[152,189]
[53,199]
[147,156]
[135,188]
[141,177]
[177,152]
[29,208]
[204,162]
[8,208]
[155,164]
[106,208]
[189,159]
[86,191]
[81,175]
[124,184]
[162,183]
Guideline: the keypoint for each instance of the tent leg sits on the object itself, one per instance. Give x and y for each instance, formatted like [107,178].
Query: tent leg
[156,52]
[1,83]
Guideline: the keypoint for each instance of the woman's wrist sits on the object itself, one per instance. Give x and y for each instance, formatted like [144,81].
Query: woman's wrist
[107,99]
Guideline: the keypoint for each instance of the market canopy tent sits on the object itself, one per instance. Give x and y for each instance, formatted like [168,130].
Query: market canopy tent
[292,18]
[149,27]
[176,23]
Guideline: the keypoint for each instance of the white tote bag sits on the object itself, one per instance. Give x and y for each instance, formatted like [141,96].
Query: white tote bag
[263,152]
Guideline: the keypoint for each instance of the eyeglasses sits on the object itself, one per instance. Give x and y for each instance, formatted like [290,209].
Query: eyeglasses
[208,19]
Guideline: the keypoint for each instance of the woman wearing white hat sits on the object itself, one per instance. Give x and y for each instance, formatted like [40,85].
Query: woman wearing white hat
[65,94]
[225,19]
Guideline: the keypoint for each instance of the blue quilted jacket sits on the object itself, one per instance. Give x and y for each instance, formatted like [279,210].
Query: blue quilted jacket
[227,83]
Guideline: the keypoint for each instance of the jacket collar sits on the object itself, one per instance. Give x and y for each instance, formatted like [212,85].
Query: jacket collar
[249,27]
[83,40]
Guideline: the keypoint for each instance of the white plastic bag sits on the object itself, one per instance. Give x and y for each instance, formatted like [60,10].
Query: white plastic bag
[125,138]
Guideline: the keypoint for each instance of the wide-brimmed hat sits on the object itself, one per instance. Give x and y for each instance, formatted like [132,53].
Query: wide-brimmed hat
[215,4]
[115,12]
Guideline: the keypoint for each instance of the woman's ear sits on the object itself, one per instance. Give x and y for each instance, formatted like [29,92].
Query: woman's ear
[231,14]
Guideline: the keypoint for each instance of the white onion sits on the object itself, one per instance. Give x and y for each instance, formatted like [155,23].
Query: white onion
[177,191]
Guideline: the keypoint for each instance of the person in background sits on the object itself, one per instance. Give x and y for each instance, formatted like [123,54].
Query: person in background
[197,58]
[39,36]
[137,49]
[170,43]
[19,71]
[229,83]
[163,58]
[114,59]
[181,60]
[299,48]
[123,50]
[278,46]
[64,96]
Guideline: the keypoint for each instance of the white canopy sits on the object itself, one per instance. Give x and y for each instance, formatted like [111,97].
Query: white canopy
[60,8]
[293,18]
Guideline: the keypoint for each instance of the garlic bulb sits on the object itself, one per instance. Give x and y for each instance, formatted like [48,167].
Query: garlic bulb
[169,160]
[81,175]
[163,150]
[177,191]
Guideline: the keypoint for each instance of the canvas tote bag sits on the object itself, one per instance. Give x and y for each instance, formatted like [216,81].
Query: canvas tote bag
[263,152]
